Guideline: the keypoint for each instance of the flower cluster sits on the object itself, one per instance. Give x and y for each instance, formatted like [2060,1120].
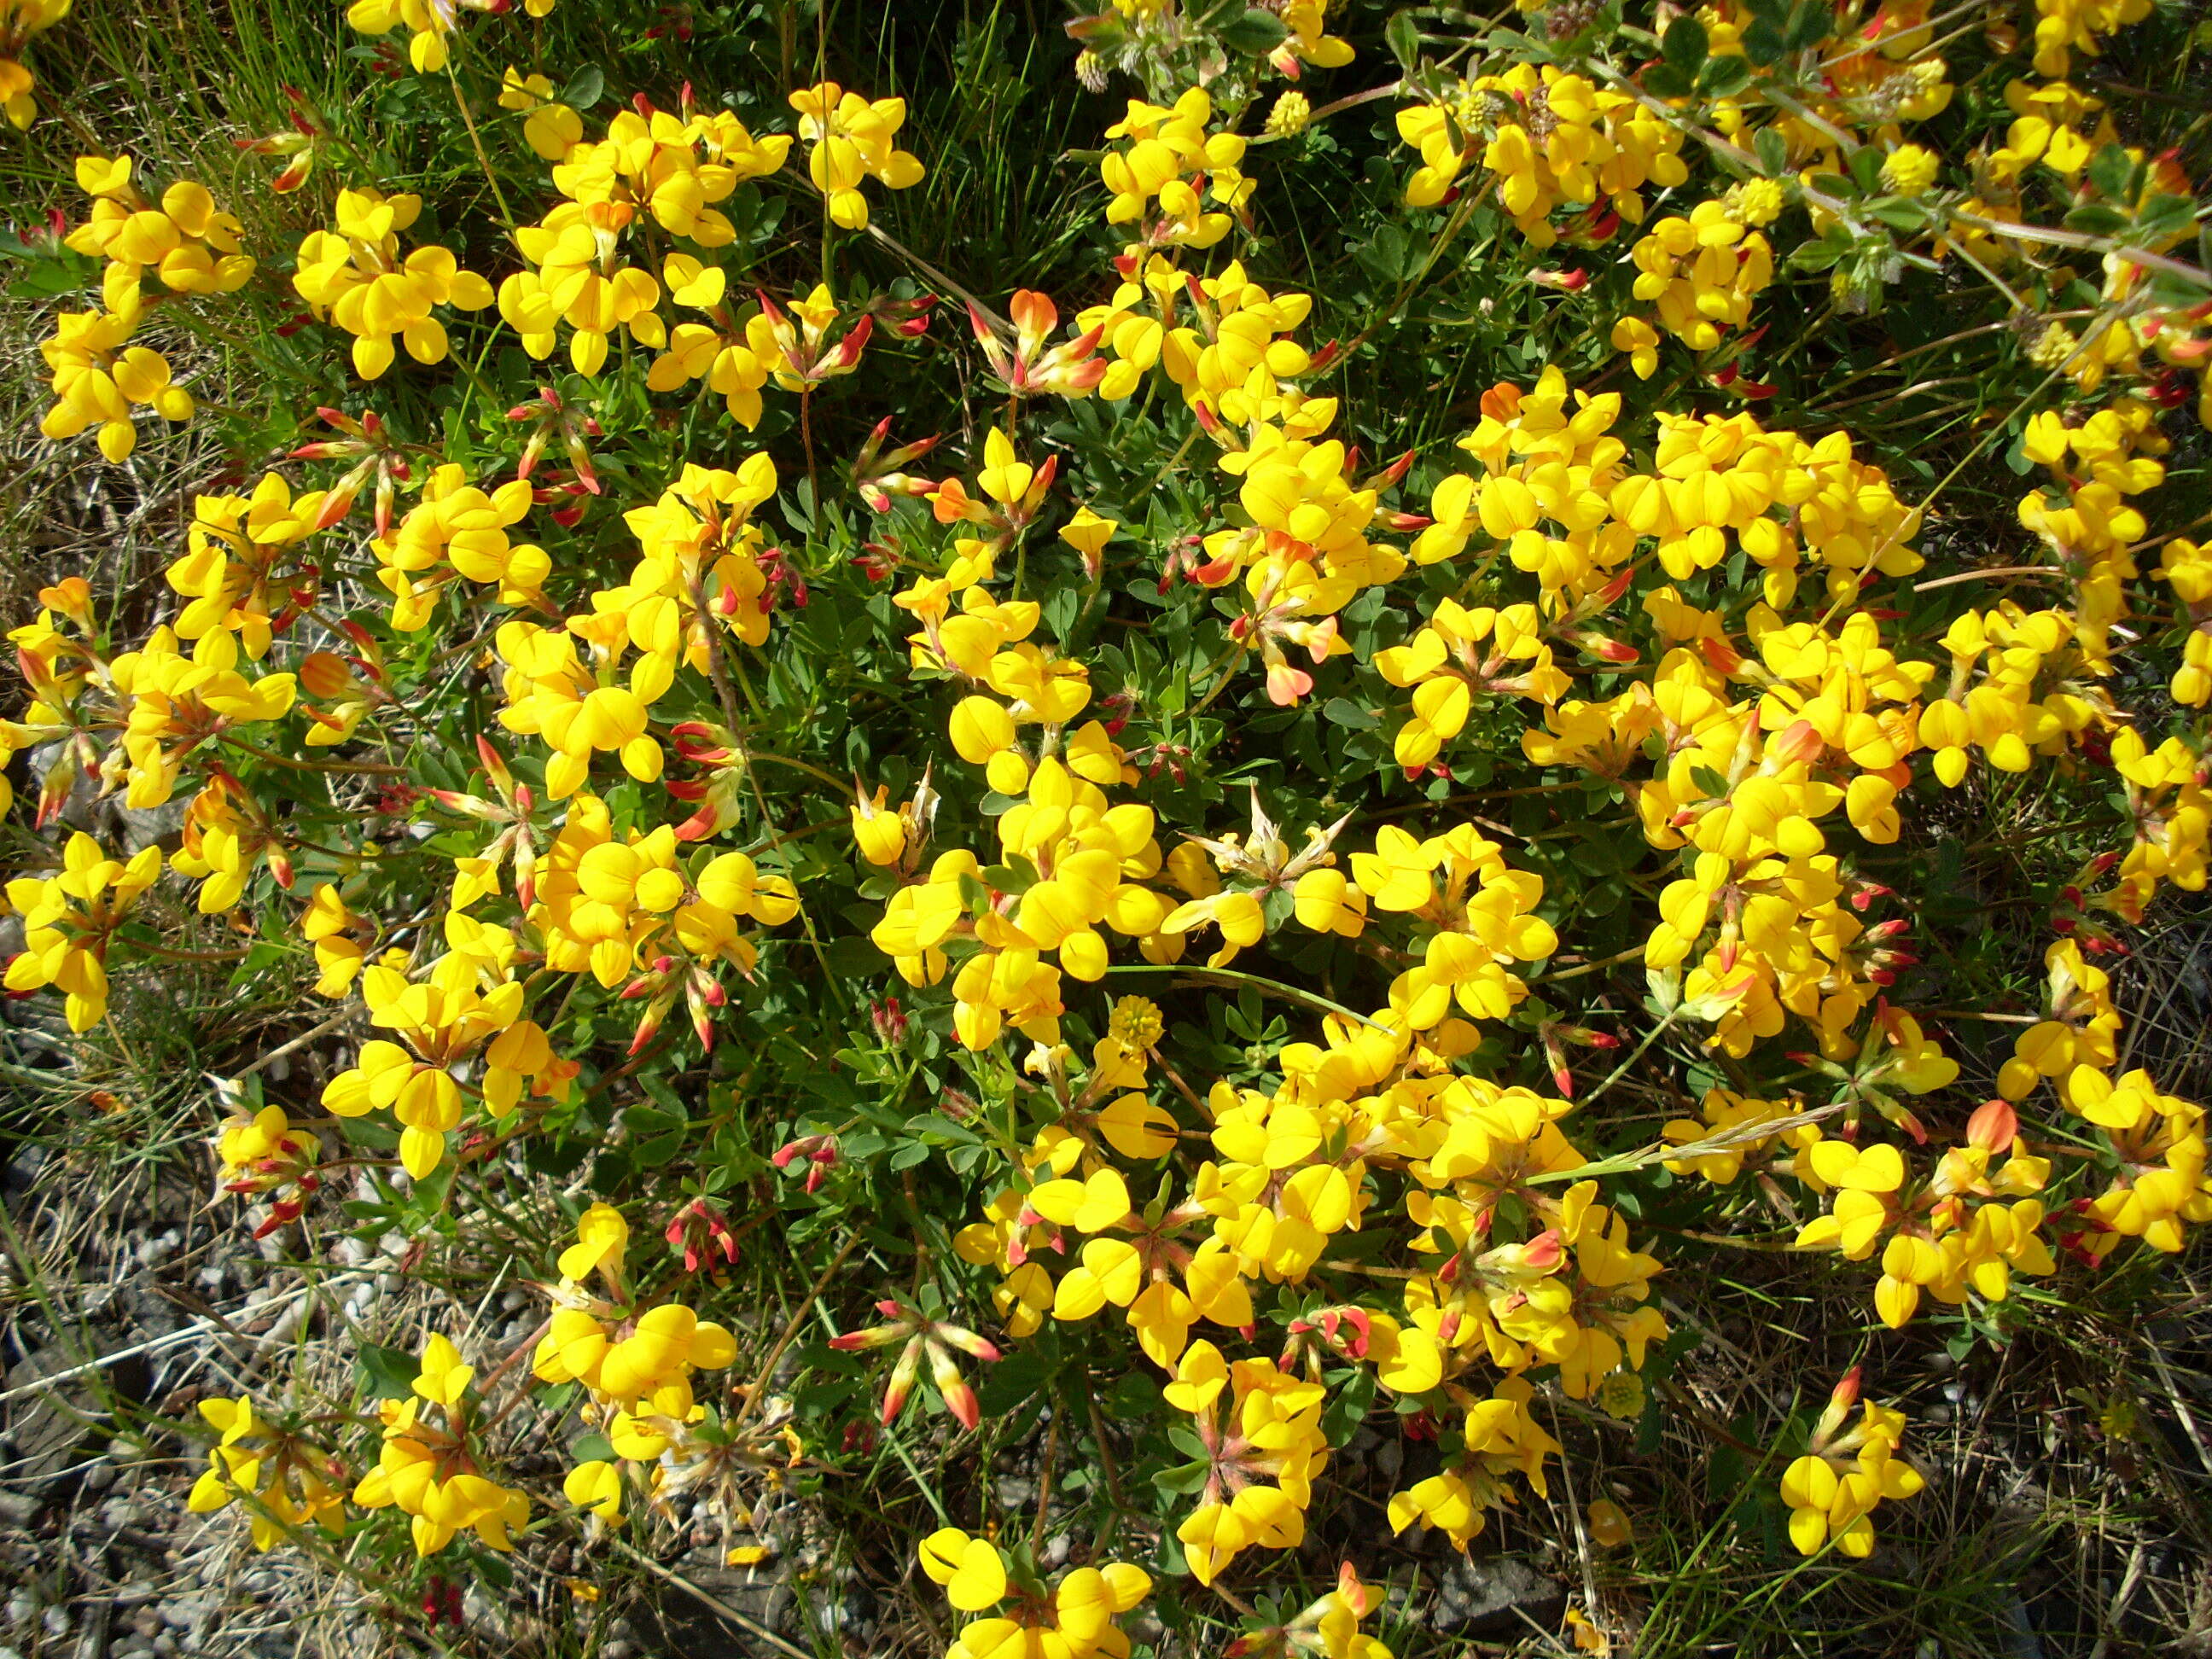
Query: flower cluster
[191,248]
[1621,725]
[1848,1470]
[430,1464]
[355,275]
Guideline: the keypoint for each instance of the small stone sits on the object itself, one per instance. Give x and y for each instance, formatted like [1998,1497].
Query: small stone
[1480,1598]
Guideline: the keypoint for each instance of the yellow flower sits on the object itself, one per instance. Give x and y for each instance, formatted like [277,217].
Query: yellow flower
[1836,1485]
[286,1476]
[97,379]
[430,23]
[1637,338]
[18,20]
[1909,170]
[854,140]
[429,1461]
[1290,115]
[971,1571]
[357,275]
[550,127]
[69,918]
[1254,1425]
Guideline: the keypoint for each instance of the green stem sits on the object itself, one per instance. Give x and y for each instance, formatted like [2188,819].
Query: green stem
[1265,987]
[352,768]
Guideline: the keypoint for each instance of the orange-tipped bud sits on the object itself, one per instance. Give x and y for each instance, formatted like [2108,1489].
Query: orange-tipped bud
[902,1381]
[1993,1127]
[960,1337]
[495,765]
[72,596]
[959,1399]
[326,675]
[1798,743]
[1350,1590]
[1722,657]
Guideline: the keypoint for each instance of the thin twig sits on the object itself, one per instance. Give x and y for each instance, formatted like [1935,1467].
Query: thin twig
[356,768]
[300,1040]
[758,1392]
[1044,1484]
[752,1626]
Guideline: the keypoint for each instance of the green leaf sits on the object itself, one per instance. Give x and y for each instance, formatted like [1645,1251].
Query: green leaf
[1773,152]
[854,957]
[1341,711]
[1184,1478]
[1764,43]
[2163,218]
[1256,33]
[386,1373]
[1724,77]
[1685,46]
[1817,256]
[2174,293]
[1347,1406]
[1404,40]
[2095,219]
[585,88]
[2110,171]
[1899,213]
